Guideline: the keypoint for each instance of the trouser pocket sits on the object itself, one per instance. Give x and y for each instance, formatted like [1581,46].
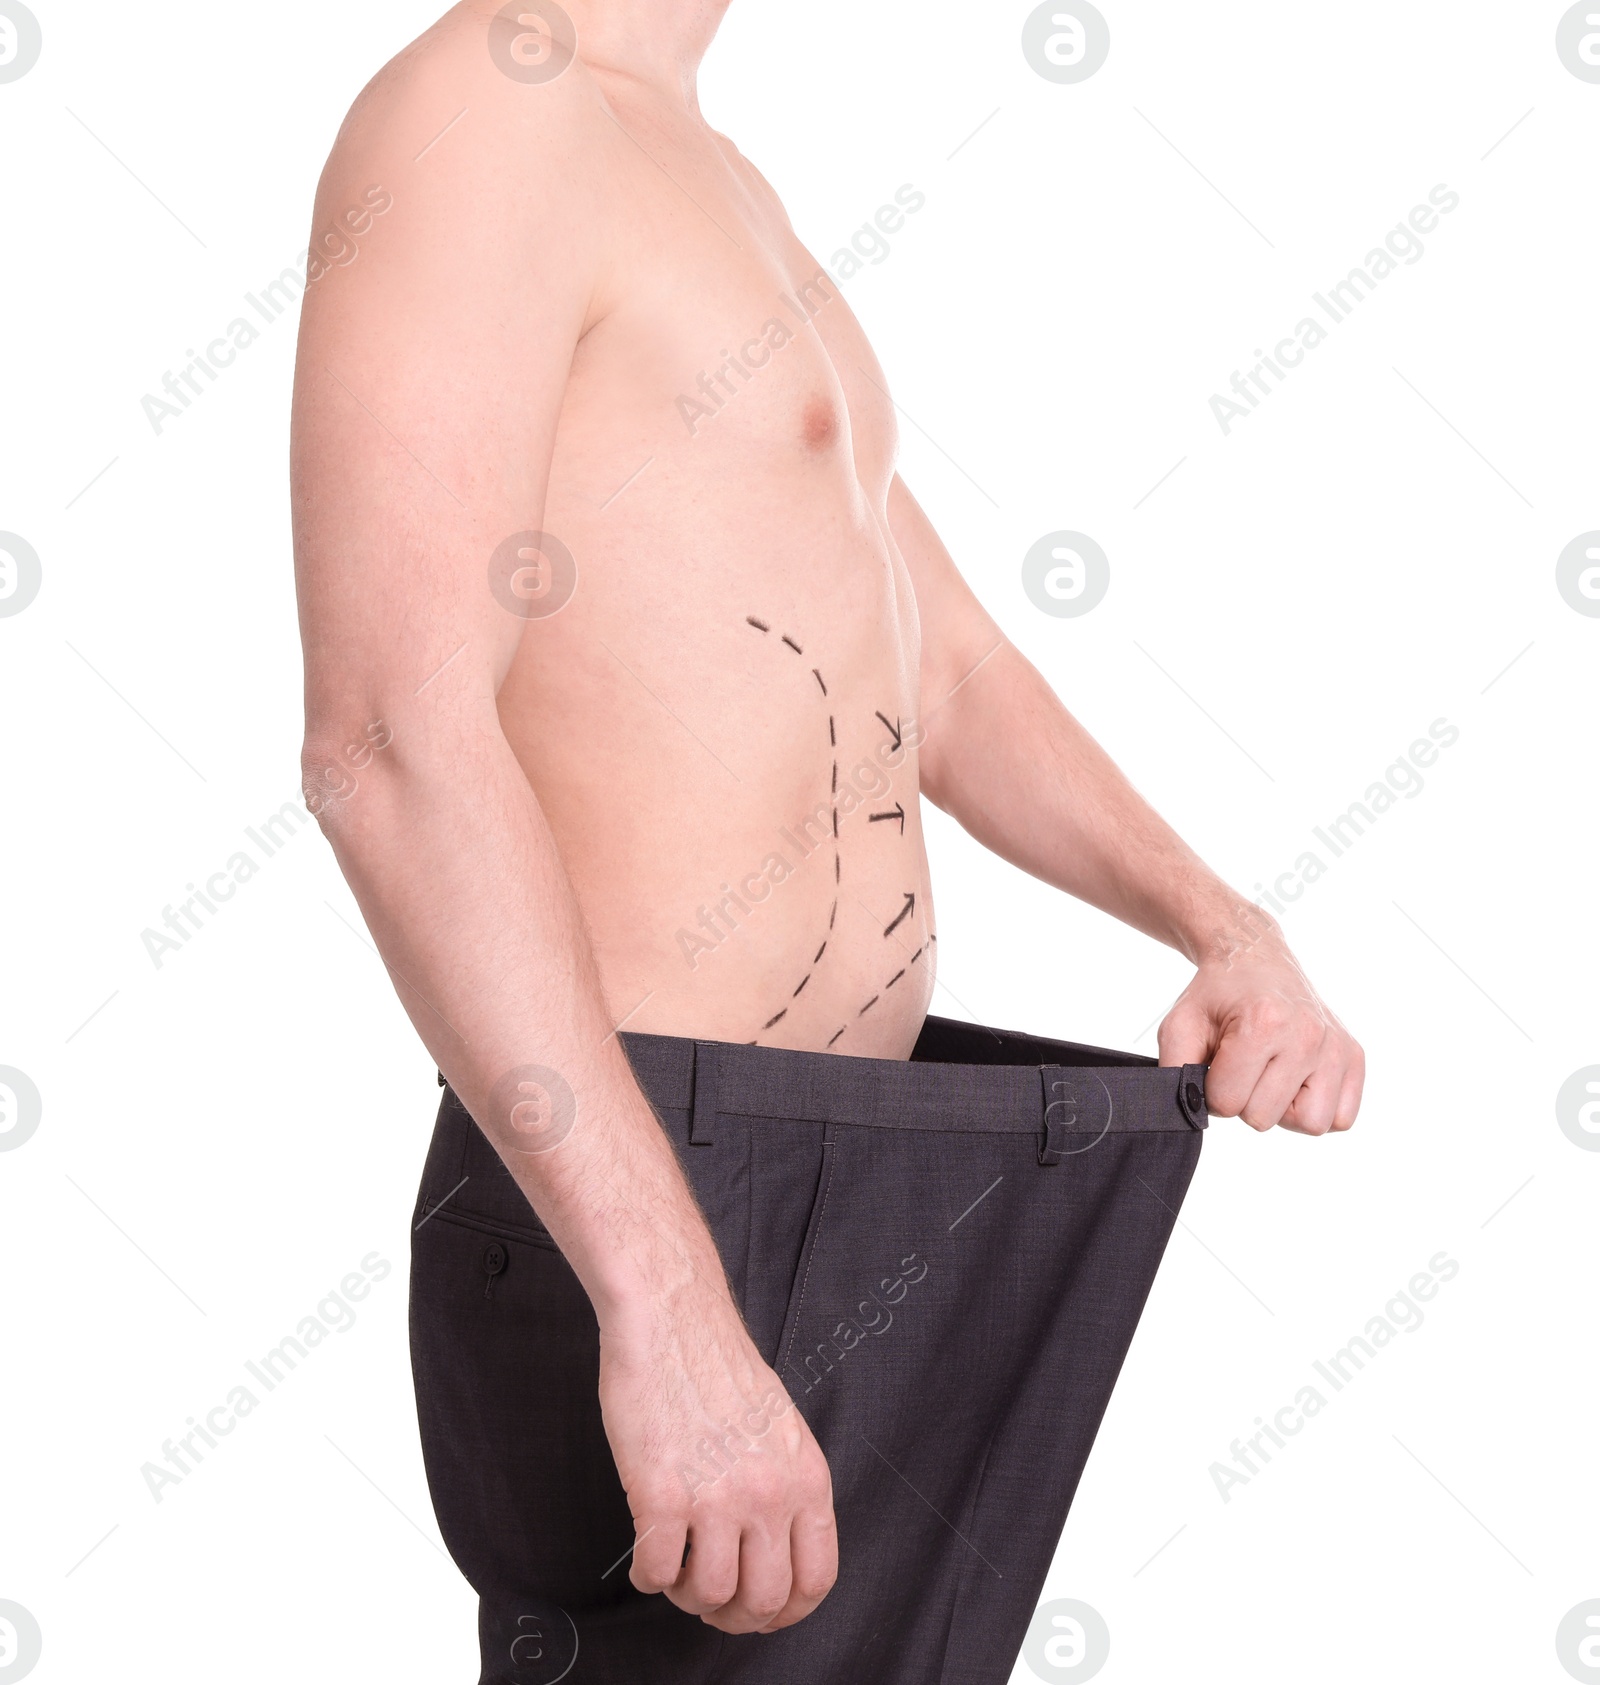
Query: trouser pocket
[791,1170]
[505,1360]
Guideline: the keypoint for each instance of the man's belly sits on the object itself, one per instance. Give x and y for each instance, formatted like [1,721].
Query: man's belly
[721,732]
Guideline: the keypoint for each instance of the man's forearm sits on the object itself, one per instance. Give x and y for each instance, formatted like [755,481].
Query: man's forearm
[477,923]
[1010,763]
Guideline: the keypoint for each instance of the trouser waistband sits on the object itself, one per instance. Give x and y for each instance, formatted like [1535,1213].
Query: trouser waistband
[963,1078]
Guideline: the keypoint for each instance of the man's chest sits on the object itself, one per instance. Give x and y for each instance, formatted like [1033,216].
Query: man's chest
[727,339]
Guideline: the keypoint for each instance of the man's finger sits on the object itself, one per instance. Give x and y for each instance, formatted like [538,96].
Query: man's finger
[764,1581]
[710,1576]
[1350,1093]
[813,1564]
[1311,1111]
[657,1552]
[1185,1036]
[1276,1089]
[1237,1065]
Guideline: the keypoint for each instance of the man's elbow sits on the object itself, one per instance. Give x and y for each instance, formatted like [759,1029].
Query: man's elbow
[334,763]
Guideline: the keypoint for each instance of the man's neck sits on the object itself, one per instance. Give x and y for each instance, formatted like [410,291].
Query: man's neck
[657,42]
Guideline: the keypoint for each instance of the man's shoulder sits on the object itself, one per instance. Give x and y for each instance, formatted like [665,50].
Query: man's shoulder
[476,97]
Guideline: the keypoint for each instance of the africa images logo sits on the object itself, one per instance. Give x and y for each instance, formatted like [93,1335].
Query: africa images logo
[1066,40]
[21,40]
[21,574]
[1578,40]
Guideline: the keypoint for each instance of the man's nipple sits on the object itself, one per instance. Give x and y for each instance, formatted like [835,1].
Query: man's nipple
[819,424]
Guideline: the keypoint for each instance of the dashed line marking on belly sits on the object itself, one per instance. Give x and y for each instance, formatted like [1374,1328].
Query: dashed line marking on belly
[764,627]
[896,731]
[910,898]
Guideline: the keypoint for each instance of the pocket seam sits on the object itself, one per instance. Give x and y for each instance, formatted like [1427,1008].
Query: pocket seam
[491,1226]
[813,1237]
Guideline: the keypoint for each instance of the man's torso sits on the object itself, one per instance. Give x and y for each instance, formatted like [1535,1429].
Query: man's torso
[720,722]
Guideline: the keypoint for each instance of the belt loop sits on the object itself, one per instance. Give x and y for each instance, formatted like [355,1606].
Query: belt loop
[1192,1095]
[1058,1113]
[703,1122]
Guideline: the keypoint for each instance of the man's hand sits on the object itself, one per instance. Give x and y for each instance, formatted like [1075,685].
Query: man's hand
[714,1455]
[1277,1054]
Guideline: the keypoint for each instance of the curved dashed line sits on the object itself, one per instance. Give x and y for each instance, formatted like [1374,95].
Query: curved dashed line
[833,743]
[892,981]
[895,731]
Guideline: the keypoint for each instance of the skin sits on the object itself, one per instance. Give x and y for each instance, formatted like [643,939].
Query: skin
[556,798]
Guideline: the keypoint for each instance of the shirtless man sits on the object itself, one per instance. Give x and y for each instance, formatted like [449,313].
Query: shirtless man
[646,654]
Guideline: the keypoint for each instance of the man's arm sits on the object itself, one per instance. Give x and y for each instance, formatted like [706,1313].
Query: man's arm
[1003,757]
[431,371]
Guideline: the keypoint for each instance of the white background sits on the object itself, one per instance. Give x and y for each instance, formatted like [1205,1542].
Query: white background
[1289,609]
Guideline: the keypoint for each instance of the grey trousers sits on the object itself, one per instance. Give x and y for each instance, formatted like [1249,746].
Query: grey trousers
[944,1259]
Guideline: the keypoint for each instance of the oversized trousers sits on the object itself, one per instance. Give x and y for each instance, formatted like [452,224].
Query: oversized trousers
[944,1259]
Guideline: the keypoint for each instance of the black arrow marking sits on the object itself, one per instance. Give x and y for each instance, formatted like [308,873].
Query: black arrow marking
[904,913]
[894,730]
[899,813]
